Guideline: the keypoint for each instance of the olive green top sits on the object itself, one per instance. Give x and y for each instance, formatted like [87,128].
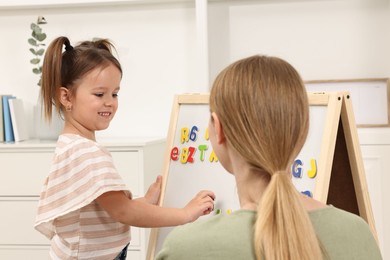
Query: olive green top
[230,236]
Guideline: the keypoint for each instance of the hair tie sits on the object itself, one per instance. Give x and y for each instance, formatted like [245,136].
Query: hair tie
[68,47]
[280,172]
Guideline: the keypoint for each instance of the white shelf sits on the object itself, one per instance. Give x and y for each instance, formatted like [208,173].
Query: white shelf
[37,4]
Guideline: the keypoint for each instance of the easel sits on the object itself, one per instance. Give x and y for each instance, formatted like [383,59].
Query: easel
[343,182]
[340,179]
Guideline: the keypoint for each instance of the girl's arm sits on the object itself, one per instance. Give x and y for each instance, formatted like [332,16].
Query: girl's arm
[143,213]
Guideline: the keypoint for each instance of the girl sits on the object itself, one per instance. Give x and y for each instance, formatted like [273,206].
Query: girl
[259,123]
[85,208]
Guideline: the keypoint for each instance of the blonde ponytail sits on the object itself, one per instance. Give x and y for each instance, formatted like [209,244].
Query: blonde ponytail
[283,230]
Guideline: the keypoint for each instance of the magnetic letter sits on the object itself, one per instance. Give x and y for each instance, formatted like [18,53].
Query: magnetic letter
[193,134]
[307,193]
[312,173]
[297,168]
[191,152]
[202,148]
[184,135]
[174,153]
[206,135]
[184,155]
[213,157]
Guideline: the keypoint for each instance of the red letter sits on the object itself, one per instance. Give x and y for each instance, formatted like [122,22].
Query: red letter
[174,153]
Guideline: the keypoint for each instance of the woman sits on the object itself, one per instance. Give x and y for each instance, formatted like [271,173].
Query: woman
[259,123]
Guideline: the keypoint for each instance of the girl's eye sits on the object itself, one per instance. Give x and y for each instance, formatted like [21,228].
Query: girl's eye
[99,94]
[115,95]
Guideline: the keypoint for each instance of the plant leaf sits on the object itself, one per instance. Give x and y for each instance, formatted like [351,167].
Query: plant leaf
[41,36]
[33,51]
[36,29]
[40,52]
[35,61]
[32,26]
[32,42]
[36,71]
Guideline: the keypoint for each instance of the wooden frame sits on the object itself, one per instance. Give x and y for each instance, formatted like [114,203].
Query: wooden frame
[361,89]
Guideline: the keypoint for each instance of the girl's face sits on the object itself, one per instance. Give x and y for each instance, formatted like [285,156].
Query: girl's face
[95,101]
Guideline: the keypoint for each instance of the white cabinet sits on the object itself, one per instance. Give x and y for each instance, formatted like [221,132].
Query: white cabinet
[375,147]
[23,169]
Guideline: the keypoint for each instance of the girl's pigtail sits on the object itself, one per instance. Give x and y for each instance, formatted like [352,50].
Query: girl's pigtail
[52,76]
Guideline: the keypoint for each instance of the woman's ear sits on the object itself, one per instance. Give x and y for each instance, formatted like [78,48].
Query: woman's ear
[220,135]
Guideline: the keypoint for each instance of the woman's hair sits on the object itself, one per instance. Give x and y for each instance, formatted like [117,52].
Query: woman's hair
[263,108]
[63,67]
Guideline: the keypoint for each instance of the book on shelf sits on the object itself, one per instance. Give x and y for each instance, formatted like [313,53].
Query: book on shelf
[18,118]
[8,129]
[1,120]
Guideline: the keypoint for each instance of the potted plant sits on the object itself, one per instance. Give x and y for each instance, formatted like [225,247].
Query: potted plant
[37,44]
[43,130]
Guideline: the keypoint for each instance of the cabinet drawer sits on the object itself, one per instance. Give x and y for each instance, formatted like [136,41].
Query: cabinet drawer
[42,252]
[17,225]
[23,173]
[24,252]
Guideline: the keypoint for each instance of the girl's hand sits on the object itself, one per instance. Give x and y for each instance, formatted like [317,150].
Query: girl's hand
[153,193]
[202,204]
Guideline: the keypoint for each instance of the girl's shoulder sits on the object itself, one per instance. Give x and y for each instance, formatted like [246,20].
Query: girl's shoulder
[68,143]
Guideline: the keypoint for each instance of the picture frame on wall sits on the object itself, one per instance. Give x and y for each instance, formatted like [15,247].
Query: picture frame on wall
[370,98]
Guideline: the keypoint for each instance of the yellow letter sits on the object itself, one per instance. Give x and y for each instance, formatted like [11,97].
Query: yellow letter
[312,173]
[184,135]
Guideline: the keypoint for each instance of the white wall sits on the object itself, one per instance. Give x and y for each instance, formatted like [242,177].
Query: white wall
[322,39]
[155,45]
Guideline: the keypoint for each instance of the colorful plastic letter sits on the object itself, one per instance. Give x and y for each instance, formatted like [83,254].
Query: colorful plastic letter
[184,155]
[213,157]
[184,135]
[193,134]
[191,152]
[202,148]
[175,154]
[297,168]
[312,173]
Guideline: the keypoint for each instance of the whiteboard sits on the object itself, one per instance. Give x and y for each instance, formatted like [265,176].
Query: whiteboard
[190,163]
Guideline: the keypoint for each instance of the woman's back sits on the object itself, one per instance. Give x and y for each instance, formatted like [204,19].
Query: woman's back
[343,236]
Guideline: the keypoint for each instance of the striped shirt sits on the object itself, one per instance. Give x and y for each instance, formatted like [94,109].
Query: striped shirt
[68,215]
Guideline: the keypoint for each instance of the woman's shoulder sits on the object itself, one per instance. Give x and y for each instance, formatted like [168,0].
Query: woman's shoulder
[337,218]
[333,213]
[344,234]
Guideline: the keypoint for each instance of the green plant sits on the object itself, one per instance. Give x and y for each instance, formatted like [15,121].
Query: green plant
[37,46]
